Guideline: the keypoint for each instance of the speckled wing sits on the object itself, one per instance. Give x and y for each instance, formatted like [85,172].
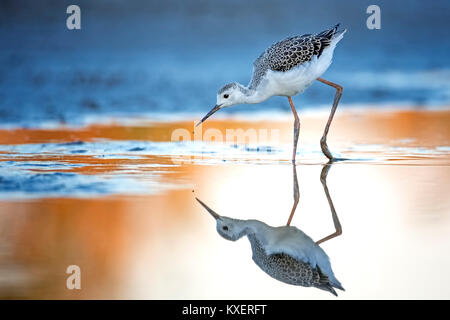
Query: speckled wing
[294,242]
[291,52]
[297,244]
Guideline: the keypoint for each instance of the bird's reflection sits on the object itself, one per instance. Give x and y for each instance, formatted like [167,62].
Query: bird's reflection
[286,253]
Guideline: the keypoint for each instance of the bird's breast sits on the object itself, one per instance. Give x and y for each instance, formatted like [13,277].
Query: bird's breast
[298,79]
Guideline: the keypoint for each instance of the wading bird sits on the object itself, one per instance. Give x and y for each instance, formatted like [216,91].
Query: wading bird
[286,253]
[287,68]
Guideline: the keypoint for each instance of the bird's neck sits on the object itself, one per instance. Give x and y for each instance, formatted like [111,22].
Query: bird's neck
[252,96]
[251,227]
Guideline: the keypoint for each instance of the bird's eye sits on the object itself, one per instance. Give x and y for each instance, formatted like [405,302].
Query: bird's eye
[226,96]
[225,228]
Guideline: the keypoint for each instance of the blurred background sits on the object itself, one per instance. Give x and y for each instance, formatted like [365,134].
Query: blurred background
[167,59]
[90,174]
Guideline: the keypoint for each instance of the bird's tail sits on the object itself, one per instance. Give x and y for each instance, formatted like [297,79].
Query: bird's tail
[326,287]
[333,33]
[328,282]
[336,284]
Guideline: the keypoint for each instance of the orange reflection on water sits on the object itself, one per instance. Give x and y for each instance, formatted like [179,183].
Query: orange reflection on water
[166,246]
[395,218]
[419,127]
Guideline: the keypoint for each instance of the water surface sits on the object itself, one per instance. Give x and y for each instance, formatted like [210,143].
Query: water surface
[116,200]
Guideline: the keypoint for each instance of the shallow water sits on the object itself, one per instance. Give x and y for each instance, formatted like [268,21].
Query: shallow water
[117,200]
[90,174]
[168,59]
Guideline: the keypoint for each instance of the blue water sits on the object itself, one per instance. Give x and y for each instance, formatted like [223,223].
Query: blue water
[168,58]
[134,171]
[52,174]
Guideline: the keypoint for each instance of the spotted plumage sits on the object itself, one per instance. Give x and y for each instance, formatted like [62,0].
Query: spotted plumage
[285,268]
[291,52]
[285,253]
[286,69]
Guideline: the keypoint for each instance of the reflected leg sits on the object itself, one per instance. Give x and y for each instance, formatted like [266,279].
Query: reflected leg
[296,195]
[337,224]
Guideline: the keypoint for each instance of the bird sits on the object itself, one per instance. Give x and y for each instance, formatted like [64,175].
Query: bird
[285,253]
[287,68]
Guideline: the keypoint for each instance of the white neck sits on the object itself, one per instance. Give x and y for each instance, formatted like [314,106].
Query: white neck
[253,96]
[248,227]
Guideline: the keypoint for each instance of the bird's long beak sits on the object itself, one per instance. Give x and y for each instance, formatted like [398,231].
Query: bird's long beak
[210,113]
[212,212]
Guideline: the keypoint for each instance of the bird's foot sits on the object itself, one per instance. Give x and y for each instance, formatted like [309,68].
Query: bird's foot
[332,159]
[325,150]
[327,153]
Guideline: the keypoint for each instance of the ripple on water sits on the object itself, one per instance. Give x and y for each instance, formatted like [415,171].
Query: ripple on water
[56,169]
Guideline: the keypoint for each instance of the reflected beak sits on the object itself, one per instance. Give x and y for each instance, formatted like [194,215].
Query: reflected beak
[215,215]
[210,113]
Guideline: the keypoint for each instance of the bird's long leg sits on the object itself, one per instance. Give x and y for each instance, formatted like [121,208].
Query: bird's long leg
[337,97]
[337,224]
[296,195]
[296,129]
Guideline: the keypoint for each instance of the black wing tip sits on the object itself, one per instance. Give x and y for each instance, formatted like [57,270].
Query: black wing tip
[327,287]
[330,33]
[335,30]
[338,286]
[330,288]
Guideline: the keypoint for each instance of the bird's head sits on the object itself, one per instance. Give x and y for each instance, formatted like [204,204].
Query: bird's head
[229,95]
[228,228]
